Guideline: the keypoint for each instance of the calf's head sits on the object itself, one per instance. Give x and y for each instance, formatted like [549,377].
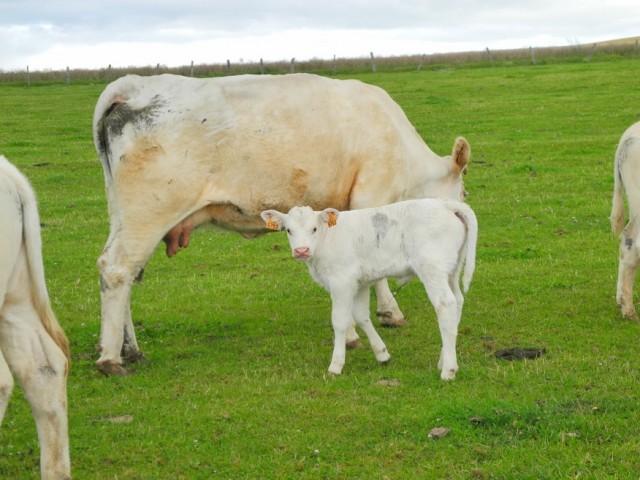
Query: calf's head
[304,227]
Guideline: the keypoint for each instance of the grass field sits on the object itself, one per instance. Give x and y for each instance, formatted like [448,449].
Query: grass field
[239,337]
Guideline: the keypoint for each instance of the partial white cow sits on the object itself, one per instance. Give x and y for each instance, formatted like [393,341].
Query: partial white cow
[33,347]
[348,251]
[626,176]
[180,152]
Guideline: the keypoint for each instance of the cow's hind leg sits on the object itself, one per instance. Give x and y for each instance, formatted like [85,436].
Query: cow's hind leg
[41,369]
[6,386]
[629,261]
[120,263]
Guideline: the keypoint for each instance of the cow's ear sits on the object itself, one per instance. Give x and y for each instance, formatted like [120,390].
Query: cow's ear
[330,216]
[461,154]
[273,219]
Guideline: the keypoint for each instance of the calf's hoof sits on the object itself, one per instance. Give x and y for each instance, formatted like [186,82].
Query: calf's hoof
[384,361]
[335,370]
[353,344]
[448,375]
[388,320]
[109,369]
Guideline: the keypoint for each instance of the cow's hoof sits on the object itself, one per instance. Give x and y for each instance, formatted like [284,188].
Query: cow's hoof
[388,320]
[631,316]
[353,344]
[134,356]
[112,369]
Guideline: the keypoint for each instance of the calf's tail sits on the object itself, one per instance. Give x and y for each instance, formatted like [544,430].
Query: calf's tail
[468,217]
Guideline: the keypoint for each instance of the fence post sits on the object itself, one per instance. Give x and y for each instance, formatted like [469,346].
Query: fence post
[292,68]
[490,56]
[192,68]
[532,54]
[228,66]
[373,63]
[335,68]
[68,77]
[28,77]
[261,67]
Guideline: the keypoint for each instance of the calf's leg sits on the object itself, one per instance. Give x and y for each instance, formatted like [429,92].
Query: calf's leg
[361,317]
[341,320]
[444,301]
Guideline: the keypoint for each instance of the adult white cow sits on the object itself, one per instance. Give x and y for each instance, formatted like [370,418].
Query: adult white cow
[429,238]
[180,152]
[626,176]
[33,347]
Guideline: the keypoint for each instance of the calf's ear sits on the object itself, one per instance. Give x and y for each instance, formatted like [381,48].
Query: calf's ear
[273,219]
[330,216]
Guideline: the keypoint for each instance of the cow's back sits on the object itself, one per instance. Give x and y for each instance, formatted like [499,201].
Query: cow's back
[257,142]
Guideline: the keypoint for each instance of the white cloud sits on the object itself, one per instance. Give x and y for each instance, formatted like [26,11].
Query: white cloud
[80,34]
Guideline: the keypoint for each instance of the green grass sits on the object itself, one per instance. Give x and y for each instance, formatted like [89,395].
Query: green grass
[239,339]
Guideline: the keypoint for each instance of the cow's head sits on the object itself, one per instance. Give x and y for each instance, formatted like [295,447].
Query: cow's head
[450,183]
[304,227]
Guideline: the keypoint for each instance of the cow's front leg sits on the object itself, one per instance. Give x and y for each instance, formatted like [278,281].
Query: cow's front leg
[353,339]
[387,307]
[627,268]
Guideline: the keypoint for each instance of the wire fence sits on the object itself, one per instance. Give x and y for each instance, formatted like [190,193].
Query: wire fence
[335,66]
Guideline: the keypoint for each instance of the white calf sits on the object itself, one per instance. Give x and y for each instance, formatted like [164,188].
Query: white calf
[429,238]
[33,347]
[626,176]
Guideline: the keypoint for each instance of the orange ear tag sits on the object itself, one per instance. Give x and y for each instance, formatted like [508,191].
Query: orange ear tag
[273,225]
[332,219]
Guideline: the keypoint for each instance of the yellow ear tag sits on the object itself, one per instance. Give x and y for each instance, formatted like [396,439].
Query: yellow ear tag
[332,219]
[273,225]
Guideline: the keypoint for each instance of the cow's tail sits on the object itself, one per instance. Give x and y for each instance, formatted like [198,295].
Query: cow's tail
[617,216]
[468,217]
[113,95]
[33,247]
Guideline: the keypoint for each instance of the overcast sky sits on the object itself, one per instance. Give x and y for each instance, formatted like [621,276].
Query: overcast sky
[54,34]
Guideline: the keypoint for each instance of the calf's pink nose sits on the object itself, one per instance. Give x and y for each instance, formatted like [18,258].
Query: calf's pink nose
[301,252]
